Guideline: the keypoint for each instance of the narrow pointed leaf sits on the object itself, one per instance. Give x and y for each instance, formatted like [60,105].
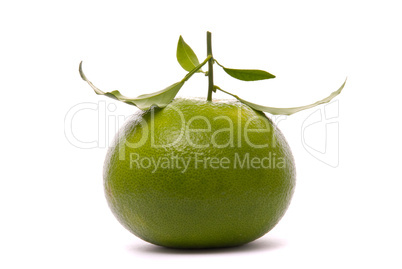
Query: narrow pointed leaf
[286,111]
[247,74]
[186,56]
[145,101]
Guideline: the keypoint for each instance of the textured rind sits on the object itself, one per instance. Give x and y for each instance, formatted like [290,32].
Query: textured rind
[198,208]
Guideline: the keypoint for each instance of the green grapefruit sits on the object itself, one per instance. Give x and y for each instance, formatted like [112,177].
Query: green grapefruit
[199,174]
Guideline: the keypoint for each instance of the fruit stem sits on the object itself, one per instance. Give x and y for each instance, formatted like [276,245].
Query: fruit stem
[210,67]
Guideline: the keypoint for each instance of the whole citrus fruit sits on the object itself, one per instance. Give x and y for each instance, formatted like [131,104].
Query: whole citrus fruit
[199,174]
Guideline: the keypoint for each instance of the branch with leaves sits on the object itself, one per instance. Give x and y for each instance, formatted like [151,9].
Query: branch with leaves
[189,62]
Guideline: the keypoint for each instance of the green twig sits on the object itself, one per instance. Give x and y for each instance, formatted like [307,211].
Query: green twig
[210,67]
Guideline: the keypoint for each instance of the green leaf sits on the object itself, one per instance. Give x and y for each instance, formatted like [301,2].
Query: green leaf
[161,98]
[186,56]
[145,101]
[285,111]
[247,74]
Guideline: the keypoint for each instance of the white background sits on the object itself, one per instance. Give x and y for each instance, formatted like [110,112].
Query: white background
[53,212]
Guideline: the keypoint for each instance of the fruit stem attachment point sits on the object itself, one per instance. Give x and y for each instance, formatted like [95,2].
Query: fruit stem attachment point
[210,67]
